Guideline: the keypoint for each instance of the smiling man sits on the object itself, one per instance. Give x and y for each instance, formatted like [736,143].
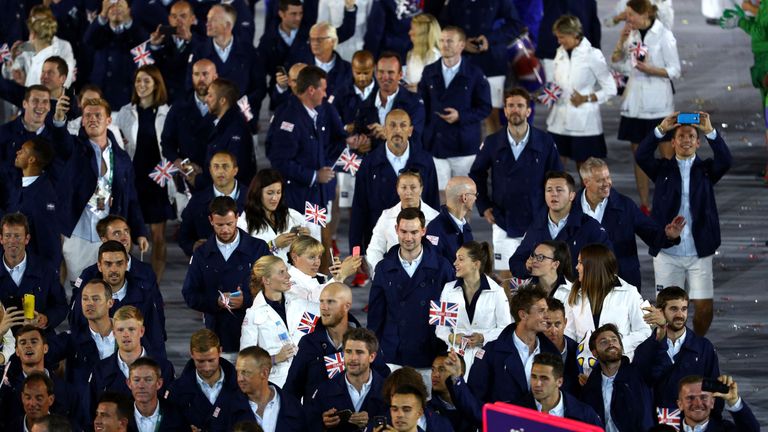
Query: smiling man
[150,414]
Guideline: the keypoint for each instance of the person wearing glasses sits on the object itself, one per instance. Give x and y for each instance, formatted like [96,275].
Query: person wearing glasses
[323,40]
[550,266]
[450,229]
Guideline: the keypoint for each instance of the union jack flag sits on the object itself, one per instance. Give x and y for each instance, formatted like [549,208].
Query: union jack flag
[315,214]
[620,79]
[638,49]
[5,53]
[334,364]
[163,172]
[245,108]
[668,416]
[443,313]
[141,55]
[349,162]
[515,283]
[462,346]
[307,323]
[550,94]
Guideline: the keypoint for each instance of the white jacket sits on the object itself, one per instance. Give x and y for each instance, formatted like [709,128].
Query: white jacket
[32,64]
[9,344]
[646,96]
[384,234]
[622,307]
[491,316]
[332,11]
[305,287]
[583,71]
[665,12]
[414,66]
[268,234]
[127,120]
[262,327]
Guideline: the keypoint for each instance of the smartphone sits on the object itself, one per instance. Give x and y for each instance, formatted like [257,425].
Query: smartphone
[713,386]
[688,118]
[281,69]
[167,30]
[344,415]
[356,251]
[379,421]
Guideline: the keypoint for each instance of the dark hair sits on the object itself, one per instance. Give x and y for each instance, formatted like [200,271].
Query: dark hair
[146,362]
[89,87]
[363,56]
[54,423]
[103,224]
[411,213]
[226,89]
[42,151]
[599,276]
[204,340]
[610,327]
[282,5]
[517,91]
[39,377]
[458,30]
[670,293]
[408,389]
[480,251]
[642,7]
[227,153]
[255,215]
[112,246]
[391,54]
[560,175]
[362,335]
[103,283]
[61,64]
[222,205]
[562,254]
[309,76]
[554,305]
[249,425]
[29,328]
[159,94]
[413,172]
[461,360]
[123,402]
[550,359]
[524,299]
[36,87]
[15,219]
[404,376]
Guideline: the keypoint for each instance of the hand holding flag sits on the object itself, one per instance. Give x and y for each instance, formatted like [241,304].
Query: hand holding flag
[349,161]
[550,94]
[142,56]
[163,172]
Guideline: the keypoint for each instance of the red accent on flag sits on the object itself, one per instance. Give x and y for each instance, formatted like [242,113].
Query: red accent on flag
[163,172]
[315,214]
[444,314]
[334,364]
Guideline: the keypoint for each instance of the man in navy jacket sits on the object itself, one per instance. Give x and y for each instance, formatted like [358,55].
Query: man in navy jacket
[388,24]
[685,186]
[450,229]
[361,88]
[217,282]
[696,407]
[323,40]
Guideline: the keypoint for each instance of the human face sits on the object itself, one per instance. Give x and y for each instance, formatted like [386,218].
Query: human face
[397,130]
[214,102]
[14,240]
[36,107]
[543,382]
[451,44]
[293,75]
[144,85]
[580,268]
[362,73]
[203,74]
[320,43]
[357,358]
[250,377]
[113,266]
[30,348]
[547,266]
[51,78]
[218,23]
[516,110]
[128,334]
[416,31]
[181,16]
[106,418]
[333,307]
[567,41]
[94,302]
[291,18]
[608,347]
[223,171]
[439,375]
[144,384]
[405,410]
[409,190]
[676,314]
[685,142]
[95,121]
[598,184]
[308,262]
[119,231]
[225,227]
[558,195]
[271,196]
[409,234]
[279,279]
[388,75]
[464,265]
[36,400]
[317,94]
[535,319]
[555,326]
[695,404]
[636,20]
[206,362]
[22,156]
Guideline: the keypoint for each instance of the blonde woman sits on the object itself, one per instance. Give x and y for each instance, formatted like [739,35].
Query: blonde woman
[306,283]
[332,11]
[425,36]
[272,322]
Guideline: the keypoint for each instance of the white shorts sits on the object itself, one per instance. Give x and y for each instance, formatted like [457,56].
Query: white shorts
[346,185]
[503,248]
[497,90]
[452,167]
[78,254]
[426,375]
[671,270]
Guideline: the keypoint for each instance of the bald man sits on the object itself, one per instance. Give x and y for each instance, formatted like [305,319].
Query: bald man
[360,88]
[450,229]
[283,91]
[308,369]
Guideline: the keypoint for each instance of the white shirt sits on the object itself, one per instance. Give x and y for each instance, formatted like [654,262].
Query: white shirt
[234,194]
[26,181]
[364,93]
[386,107]
[123,365]
[398,162]
[269,421]
[104,344]
[326,66]
[288,38]
[17,272]
[358,396]
[599,211]
[224,52]
[518,147]
[410,267]
[147,424]
[673,348]
[119,295]
[526,357]
[557,411]
[459,222]
[607,387]
[226,249]
[449,72]
[201,106]
[211,392]
[555,228]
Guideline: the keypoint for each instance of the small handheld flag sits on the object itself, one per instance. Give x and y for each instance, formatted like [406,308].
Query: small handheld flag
[315,214]
[142,56]
[163,172]
[444,313]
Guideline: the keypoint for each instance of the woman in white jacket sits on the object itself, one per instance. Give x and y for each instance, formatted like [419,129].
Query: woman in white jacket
[306,283]
[647,53]
[601,297]
[273,320]
[332,11]
[582,74]
[425,37]
[550,266]
[141,123]
[483,305]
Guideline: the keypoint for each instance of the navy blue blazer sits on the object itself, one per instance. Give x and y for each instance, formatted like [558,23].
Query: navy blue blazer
[367,113]
[40,279]
[339,76]
[82,355]
[579,231]
[172,62]
[631,406]
[387,30]
[375,190]
[623,220]
[572,407]
[469,93]
[208,274]
[743,421]
[170,419]
[290,417]
[517,185]
[457,419]
[584,10]
[333,393]
[195,224]
[497,375]
[449,237]
[348,104]
[13,135]
[435,422]
[186,131]
[185,394]
[244,27]
[398,307]
[230,134]
[668,183]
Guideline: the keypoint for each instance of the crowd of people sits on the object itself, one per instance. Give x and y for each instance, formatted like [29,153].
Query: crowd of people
[134,127]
